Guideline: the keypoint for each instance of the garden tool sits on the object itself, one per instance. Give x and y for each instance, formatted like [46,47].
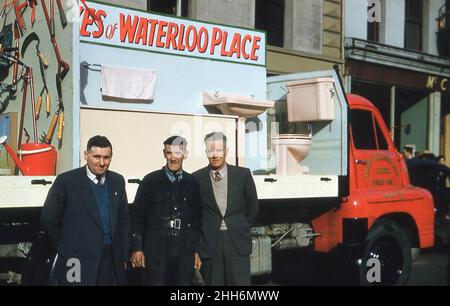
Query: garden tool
[62,14]
[18,10]
[63,67]
[27,41]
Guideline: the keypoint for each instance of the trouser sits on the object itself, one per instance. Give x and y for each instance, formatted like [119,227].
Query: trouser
[177,268]
[226,267]
[106,275]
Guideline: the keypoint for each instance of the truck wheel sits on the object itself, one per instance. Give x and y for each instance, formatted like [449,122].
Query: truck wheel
[388,248]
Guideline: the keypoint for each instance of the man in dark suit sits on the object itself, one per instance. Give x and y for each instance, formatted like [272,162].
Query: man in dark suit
[166,221]
[86,218]
[229,208]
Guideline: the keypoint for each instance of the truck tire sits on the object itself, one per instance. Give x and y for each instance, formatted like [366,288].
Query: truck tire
[390,250]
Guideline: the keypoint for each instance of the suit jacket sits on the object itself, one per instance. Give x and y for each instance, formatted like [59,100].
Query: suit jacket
[242,210]
[71,220]
[153,202]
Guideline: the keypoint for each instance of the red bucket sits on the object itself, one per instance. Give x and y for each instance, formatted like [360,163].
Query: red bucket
[38,158]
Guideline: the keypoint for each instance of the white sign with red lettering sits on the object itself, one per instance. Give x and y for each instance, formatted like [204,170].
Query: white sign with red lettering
[121,27]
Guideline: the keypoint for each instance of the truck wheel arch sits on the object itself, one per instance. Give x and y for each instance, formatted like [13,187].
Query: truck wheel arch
[408,223]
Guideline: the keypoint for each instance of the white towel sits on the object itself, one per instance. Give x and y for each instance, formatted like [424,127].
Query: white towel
[128,83]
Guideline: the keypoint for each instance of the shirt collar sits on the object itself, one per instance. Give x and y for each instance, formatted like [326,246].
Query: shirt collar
[93,177]
[173,177]
[222,171]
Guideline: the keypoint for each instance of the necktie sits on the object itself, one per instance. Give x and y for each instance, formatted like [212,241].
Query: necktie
[217,176]
[176,178]
[99,179]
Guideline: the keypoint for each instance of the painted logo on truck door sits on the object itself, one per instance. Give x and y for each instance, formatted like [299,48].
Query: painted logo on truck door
[381,171]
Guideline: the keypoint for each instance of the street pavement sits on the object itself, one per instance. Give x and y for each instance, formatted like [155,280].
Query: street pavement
[431,268]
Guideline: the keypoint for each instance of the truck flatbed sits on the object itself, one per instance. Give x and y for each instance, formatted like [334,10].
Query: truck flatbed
[31,191]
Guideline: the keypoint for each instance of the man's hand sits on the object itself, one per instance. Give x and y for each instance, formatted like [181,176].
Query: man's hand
[138,259]
[197,262]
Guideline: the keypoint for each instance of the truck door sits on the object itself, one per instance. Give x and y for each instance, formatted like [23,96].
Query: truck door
[375,159]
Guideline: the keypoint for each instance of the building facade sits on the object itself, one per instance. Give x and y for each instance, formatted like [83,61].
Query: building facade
[397,56]
[302,35]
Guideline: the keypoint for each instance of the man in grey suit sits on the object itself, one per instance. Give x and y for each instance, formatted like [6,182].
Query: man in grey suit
[229,208]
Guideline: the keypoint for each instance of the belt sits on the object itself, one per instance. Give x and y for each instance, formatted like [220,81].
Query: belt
[174,224]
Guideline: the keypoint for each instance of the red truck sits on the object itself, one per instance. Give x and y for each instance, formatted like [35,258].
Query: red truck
[382,211]
[366,208]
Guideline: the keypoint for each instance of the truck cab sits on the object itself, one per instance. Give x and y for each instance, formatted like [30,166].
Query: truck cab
[383,214]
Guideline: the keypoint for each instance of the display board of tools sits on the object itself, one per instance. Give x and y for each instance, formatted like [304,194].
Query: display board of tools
[35,52]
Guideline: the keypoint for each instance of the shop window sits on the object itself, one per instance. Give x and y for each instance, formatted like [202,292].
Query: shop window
[378,94]
[367,135]
[168,7]
[413,24]
[411,118]
[269,17]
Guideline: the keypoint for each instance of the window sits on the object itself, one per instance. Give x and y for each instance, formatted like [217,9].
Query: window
[168,7]
[269,17]
[373,31]
[413,25]
[366,133]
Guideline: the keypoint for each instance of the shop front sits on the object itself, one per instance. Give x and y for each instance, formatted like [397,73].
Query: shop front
[411,90]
